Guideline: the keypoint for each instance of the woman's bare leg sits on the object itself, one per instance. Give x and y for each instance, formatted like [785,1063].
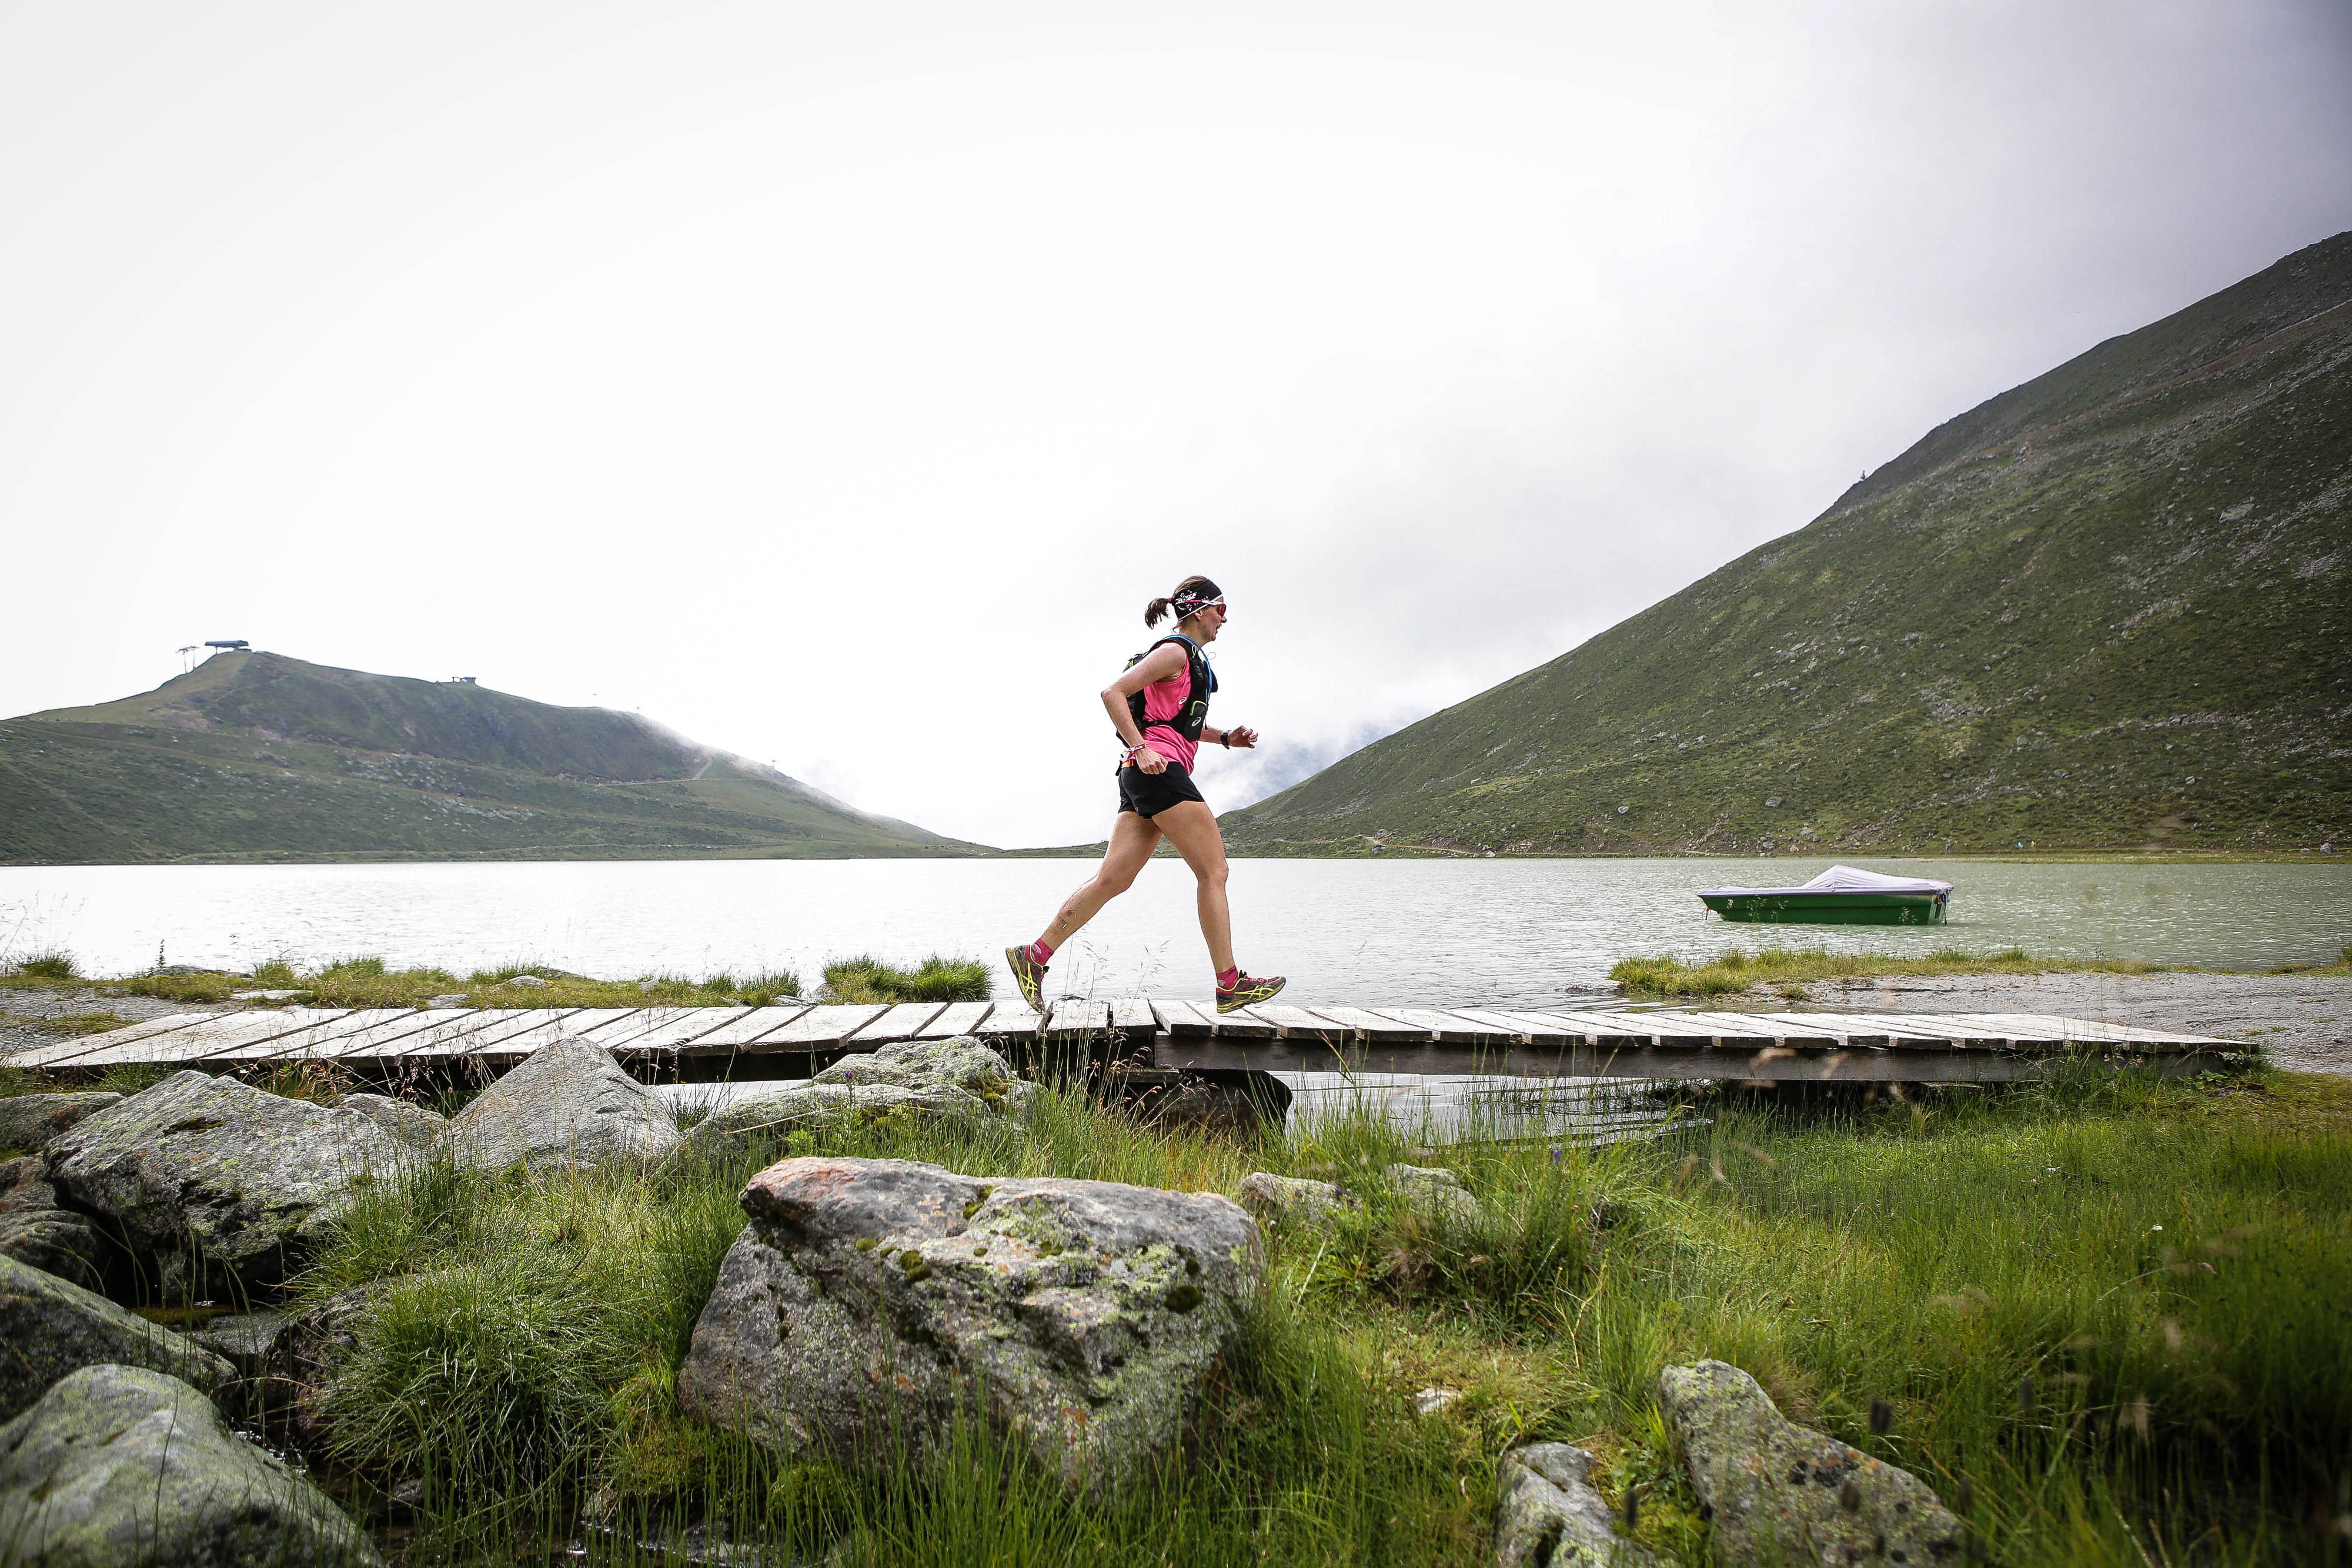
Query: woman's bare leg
[1132,839]
[1192,827]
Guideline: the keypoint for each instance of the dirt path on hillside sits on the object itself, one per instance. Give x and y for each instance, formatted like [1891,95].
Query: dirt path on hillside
[2305,1022]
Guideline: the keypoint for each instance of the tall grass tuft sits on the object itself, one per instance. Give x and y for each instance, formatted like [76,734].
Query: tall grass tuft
[1737,970]
[866,978]
[58,965]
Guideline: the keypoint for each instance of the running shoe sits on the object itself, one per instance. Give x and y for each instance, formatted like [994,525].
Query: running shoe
[1028,974]
[1247,990]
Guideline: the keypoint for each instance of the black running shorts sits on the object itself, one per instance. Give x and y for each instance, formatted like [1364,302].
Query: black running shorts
[1148,794]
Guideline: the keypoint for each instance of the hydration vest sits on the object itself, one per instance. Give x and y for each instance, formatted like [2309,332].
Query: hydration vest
[1195,711]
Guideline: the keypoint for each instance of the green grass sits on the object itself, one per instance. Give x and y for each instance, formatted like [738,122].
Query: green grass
[1787,968]
[2343,966]
[866,978]
[1990,1265]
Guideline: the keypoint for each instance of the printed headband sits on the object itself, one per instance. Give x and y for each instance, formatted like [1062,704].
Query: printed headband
[1187,604]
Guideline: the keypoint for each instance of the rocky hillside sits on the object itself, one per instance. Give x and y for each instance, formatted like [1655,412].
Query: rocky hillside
[255,756]
[2105,609]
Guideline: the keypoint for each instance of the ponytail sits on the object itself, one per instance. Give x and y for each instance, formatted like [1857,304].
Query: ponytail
[1189,595]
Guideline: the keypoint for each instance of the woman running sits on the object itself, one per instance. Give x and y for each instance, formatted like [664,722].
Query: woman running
[1158,707]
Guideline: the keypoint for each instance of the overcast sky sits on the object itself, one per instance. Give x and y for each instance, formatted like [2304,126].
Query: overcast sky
[835,382]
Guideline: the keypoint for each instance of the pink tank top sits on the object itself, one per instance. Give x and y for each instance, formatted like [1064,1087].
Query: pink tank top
[1162,701]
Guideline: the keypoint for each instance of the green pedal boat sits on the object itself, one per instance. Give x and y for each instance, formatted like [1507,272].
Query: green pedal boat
[1842,895]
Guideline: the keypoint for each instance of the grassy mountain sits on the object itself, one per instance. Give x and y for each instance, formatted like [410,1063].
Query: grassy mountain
[2105,609]
[255,756]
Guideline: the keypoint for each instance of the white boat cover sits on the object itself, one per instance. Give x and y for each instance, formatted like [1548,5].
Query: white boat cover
[1840,879]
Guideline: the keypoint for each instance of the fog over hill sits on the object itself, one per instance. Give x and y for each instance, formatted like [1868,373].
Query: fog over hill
[2104,609]
[255,756]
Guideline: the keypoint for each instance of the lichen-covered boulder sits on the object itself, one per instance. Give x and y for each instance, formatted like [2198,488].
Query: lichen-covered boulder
[568,1104]
[1548,1514]
[867,1298]
[963,1062]
[216,1178]
[413,1125]
[35,1229]
[124,1465]
[1292,1203]
[958,1077]
[1780,1492]
[49,1327]
[1434,1192]
[28,1122]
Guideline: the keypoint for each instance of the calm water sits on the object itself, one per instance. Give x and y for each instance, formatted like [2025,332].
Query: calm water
[1514,933]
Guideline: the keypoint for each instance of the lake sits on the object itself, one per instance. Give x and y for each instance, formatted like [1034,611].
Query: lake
[1517,933]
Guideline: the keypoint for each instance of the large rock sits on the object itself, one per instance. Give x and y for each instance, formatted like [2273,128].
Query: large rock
[49,1327]
[217,1179]
[1548,1514]
[1294,1203]
[35,1229]
[868,1296]
[568,1104]
[123,1465]
[1784,1493]
[958,1077]
[411,1125]
[30,1122]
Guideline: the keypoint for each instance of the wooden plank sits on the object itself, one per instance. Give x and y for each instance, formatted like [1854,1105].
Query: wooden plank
[1452,1029]
[223,1033]
[378,1038]
[1184,1018]
[1968,1031]
[609,1027]
[1630,1026]
[1855,1029]
[476,1036]
[1289,1021]
[319,1042]
[1242,1023]
[2090,1030]
[1734,1027]
[1012,1021]
[1528,1027]
[1077,1018]
[1371,1025]
[904,1022]
[819,1028]
[685,1028]
[956,1019]
[1133,1015]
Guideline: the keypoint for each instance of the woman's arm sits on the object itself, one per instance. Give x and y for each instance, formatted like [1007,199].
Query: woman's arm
[1241,735]
[1162,664]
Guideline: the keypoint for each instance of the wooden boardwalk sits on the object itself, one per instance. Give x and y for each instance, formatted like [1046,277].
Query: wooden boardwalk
[703,1044]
